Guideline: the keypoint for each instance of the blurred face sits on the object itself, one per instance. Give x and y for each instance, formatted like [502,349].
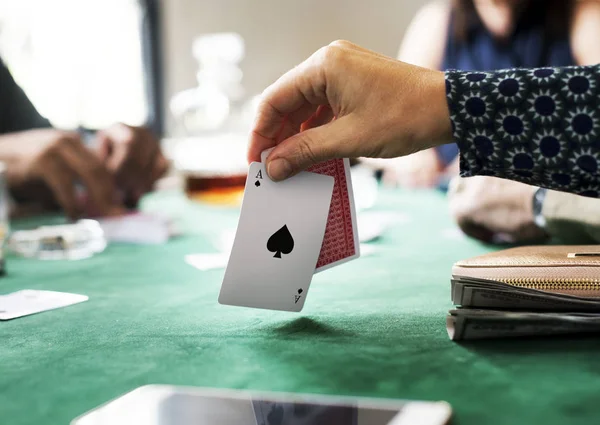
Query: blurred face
[500,16]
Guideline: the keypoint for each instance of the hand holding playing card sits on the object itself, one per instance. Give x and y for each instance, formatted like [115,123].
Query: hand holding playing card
[383,108]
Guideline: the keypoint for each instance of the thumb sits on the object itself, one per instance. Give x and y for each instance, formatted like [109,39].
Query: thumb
[310,147]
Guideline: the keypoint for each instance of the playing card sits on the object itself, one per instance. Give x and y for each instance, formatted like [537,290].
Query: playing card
[29,301]
[137,228]
[278,240]
[341,243]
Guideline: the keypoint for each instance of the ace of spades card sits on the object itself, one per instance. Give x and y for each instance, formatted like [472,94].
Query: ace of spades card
[340,243]
[278,240]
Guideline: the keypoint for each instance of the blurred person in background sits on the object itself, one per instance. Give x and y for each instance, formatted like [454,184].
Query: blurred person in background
[500,211]
[483,35]
[45,165]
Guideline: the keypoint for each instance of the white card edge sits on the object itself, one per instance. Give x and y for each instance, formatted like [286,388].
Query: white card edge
[265,154]
[262,308]
[352,206]
[46,291]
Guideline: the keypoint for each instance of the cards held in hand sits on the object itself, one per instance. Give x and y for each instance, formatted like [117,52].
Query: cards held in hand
[526,291]
[286,232]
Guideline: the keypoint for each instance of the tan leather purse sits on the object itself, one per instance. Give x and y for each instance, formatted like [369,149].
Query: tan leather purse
[572,270]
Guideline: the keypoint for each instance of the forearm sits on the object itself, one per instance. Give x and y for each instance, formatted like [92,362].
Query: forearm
[539,127]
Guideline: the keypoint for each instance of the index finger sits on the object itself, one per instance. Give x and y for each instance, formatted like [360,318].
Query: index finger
[294,98]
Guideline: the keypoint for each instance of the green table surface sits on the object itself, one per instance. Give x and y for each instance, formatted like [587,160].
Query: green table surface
[372,327]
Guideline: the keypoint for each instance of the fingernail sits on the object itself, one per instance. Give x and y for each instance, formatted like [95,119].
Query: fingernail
[279,169]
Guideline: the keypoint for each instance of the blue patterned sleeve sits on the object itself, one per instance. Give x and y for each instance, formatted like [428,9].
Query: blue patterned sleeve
[537,126]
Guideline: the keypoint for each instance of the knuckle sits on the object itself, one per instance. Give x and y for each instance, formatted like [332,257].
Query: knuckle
[462,217]
[459,208]
[333,53]
[122,134]
[321,54]
[330,54]
[306,151]
[68,137]
[263,106]
[54,147]
[459,215]
[129,136]
[61,139]
[341,43]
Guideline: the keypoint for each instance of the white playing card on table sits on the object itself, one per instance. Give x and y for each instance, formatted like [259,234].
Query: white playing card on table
[30,301]
[278,240]
[137,228]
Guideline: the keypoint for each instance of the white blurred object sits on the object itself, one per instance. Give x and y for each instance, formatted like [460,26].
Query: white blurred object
[65,59]
[219,56]
[62,242]
[366,250]
[212,155]
[249,110]
[200,109]
[138,228]
[365,187]
[224,241]
[453,233]
[207,107]
[373,224]
[208,261]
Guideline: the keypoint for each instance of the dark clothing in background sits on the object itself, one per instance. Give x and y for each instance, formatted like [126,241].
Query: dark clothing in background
[17,113]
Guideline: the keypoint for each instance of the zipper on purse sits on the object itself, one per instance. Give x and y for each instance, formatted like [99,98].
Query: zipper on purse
[556,284]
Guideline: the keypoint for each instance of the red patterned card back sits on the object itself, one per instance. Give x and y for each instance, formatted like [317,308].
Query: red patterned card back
[339,240]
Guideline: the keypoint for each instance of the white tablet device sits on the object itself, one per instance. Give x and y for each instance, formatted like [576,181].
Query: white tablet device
[170,405]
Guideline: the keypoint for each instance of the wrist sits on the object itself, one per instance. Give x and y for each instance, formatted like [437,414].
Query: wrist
[436,128]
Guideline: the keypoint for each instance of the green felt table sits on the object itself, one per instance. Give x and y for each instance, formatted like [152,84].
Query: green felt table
[372,327]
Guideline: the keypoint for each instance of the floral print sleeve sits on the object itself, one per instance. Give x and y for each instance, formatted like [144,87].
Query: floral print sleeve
[537,126]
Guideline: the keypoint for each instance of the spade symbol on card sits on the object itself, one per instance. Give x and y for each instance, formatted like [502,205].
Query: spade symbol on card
[258,178]
[297,297]
[281,242]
